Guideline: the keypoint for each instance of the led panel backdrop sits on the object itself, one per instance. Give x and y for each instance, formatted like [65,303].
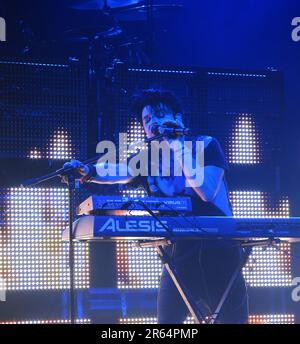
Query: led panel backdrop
[33,256]
[43,121]
[243,109]
[42,110]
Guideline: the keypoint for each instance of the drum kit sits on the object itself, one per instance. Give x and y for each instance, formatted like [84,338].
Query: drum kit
[105,30]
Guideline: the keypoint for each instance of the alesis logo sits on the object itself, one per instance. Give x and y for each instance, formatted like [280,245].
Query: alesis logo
[115,225]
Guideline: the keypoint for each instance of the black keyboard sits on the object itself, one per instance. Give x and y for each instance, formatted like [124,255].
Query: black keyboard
[96,204]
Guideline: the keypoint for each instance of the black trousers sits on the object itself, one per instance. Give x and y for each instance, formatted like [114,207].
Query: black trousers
[205,267]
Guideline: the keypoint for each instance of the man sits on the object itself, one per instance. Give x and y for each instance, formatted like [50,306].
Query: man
[204,266]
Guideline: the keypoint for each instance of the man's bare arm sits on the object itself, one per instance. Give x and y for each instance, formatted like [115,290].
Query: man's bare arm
[123,173]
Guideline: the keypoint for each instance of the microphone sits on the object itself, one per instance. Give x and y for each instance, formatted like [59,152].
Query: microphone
[157,129]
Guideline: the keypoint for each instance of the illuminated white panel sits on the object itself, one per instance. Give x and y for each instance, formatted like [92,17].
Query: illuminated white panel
[272,319]
[35,153]
[34,256]
[137,267]
[149,320]
[244,145]
[169,71]
[261,319]
[60,146]
[141,320]
[54,321]
[134,193]
[190,320]
[253,319]
[255,204]
[269,267]
[266,267]
[135,133]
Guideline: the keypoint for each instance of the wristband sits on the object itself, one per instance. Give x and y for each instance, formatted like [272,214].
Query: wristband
[91,174]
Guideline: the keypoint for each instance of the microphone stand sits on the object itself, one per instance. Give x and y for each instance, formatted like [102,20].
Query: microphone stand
[71,204]
[65,171]
[68,174]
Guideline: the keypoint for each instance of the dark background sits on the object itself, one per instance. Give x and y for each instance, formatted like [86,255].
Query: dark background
[246,34]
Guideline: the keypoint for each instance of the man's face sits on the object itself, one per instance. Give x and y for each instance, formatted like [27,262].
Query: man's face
[161,115]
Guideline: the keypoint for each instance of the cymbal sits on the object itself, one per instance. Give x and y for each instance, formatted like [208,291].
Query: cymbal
[91,33]
[99,4]
[140,13]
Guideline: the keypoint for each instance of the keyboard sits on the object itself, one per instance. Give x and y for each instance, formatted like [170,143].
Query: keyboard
[97,204]
[189,227]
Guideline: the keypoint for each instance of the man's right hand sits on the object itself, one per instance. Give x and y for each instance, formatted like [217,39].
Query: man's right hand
[81,168]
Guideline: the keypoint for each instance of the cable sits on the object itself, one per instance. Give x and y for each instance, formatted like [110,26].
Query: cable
[185,218]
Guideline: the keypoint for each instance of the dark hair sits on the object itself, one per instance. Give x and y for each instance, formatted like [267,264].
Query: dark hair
[154,97]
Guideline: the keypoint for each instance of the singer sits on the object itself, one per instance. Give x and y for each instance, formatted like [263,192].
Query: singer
[205,266]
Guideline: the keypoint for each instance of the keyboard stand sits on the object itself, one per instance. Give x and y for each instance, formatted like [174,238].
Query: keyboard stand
[184,292]
[248,245]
